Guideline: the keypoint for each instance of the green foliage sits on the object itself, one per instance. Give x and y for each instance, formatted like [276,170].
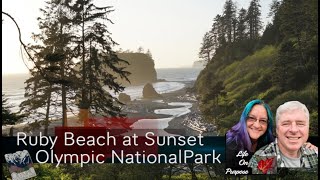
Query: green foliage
[297,174]
[314,124]
[187,176]
[309,96]
[243,81]
[51,79]
[254,20]
[280,66]
[9,117]
[100,65]
[207,47]
[95,171]
[269,94]
[68,35]
[5,171]
[139,171]
[271,35]
[49,171]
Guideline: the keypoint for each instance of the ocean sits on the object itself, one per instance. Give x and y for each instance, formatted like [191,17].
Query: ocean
[13,85]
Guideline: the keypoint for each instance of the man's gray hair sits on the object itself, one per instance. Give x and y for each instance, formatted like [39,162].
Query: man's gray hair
[290,106]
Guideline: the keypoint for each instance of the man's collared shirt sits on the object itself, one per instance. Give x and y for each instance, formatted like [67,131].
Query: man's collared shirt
[308,159]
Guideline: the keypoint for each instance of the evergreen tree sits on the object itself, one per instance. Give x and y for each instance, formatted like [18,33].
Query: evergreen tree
[149,53]
[95,43]
[229,19]
[303,29]
[271,34]
[53,55]
[218,32]
[298,53]
[242,25]
[207,47]
[254,19]
[274,7]
[9,117]
[285,68]
[140,50]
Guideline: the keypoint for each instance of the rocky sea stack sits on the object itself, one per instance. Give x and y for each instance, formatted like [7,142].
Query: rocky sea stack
[124,98]
[149,92]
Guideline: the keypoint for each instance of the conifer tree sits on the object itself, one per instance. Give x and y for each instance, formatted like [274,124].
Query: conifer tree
[218,32]
[149,53]
[207,47]
[9,117]
[229,19]
[47,86]
[254,19]
[242,25]
[99,65]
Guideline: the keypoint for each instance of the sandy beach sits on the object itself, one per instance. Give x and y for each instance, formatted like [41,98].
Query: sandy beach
[135,110]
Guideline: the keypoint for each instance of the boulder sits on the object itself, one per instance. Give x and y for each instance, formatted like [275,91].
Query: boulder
[124,98]
[149,92]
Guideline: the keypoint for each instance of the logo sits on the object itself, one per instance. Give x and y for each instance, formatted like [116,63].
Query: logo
[20,165]
[267,165]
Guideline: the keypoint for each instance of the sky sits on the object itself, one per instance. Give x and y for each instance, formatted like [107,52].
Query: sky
[171,29]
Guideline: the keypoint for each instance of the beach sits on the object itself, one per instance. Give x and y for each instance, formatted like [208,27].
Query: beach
[181,105]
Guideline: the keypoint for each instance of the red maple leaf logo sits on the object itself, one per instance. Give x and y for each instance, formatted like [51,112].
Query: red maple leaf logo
[265,165]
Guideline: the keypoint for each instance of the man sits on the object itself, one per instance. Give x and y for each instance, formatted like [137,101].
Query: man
[289,149]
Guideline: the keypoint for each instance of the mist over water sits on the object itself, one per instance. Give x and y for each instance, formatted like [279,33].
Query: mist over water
[14,88]
[178,74]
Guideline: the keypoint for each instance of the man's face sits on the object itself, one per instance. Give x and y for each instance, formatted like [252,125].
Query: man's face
[292,131]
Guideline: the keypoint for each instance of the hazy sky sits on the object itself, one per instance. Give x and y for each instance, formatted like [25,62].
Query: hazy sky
[171,29]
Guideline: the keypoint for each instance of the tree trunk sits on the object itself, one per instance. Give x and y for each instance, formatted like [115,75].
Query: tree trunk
[207,168]
[301,61]
[11,131]
[63,91]
[170,171]
[90,74]
[46,124]
[84,106]
[193,174]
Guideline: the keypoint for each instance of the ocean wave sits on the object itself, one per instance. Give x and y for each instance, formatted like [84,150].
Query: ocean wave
[135,92]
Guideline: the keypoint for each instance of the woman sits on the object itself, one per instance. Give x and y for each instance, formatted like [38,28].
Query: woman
[253,131]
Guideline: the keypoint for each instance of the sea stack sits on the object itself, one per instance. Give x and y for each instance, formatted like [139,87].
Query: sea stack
[124,98]
[149,92]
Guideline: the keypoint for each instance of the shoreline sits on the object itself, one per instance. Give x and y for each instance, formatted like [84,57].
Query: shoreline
[135,110]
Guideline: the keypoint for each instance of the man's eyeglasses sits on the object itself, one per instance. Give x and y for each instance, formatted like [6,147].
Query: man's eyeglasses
[262,122]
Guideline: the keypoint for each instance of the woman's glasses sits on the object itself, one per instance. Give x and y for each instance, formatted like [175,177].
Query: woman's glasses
[262,122]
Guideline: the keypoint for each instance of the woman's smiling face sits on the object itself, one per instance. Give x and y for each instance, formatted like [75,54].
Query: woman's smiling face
[257,122]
